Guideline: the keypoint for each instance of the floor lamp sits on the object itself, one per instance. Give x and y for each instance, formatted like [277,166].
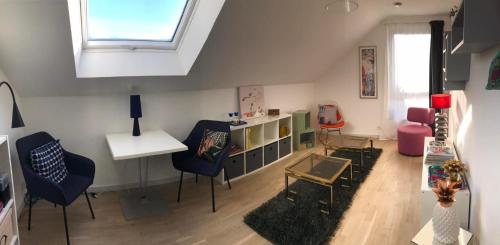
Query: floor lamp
[17,120]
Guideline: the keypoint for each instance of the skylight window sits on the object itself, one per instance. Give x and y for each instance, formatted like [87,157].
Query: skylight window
[134,23]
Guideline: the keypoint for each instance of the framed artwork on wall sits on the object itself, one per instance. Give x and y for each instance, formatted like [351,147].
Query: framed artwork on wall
[368,72]
[251,100]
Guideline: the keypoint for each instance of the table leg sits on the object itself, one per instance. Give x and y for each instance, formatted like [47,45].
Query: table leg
[362,160]
[371,148]
[331,198]
[350,167]
[147,176]
[286,186]
[140,172]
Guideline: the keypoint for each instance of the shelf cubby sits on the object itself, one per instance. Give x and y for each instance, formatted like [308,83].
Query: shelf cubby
[254,137]
[287,123]
[270,132]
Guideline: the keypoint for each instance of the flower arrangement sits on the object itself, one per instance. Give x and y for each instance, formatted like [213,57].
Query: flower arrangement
[454,168]
[445,192]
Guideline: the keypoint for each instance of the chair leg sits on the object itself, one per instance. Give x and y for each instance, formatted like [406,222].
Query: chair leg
[213,196]
[66,225]
[227,178]
[197,178]
[29,213]
[180,186]
[90,205]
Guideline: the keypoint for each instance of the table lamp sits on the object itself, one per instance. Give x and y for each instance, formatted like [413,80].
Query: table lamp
[17,120]
[135,113]
[439,102]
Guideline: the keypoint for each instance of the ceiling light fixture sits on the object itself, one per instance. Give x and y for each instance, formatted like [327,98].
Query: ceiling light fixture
[342,6]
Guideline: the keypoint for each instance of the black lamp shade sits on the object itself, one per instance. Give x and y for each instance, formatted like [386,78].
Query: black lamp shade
[135,106]
[17,120]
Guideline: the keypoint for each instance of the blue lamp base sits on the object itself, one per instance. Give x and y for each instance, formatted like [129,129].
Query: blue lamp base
[136,131]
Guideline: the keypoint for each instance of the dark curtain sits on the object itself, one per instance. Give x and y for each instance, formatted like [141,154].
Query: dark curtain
[436,59]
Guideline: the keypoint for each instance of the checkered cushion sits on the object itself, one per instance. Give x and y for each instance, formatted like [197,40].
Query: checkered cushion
[212,144]
[48,161]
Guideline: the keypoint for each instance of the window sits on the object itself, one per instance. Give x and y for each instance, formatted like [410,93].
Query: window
[411,68]
[134,23]
[408,57]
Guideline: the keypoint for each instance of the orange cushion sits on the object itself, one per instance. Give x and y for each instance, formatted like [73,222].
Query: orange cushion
[337,125]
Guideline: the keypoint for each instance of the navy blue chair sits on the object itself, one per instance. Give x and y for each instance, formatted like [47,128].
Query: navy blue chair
[81,176]
[187,161]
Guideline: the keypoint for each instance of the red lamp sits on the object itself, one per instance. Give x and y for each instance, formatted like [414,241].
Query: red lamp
[441,101]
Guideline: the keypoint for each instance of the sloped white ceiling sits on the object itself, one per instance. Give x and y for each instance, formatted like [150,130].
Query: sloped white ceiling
[253,42]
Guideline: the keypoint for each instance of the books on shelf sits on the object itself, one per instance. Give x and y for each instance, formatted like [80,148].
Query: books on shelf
[438,154]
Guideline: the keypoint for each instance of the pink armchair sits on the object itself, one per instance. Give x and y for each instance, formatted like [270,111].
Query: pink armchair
[411,135]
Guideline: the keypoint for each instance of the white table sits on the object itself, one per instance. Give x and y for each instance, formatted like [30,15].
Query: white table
[150,143]
[426,236]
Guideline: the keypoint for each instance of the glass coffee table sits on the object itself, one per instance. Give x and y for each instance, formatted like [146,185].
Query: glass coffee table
[321,170]
[356,143]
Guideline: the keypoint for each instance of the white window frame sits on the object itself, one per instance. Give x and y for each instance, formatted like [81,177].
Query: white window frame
[137,44]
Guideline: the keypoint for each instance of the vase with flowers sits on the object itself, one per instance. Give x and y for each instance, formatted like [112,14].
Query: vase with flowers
[444,217]
[455,169]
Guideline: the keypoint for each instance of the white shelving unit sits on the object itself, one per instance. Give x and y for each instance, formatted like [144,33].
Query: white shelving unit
[428,197]
[8,215]
[261,145]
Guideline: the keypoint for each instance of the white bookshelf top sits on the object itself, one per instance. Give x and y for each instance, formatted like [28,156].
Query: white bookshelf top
[3,139]
[260,120]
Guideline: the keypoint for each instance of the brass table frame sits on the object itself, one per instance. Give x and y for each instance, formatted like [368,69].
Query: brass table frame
[300,175]
[329,147]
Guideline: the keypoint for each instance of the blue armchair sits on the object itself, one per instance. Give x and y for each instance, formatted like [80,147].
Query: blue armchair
[187,161]
[81,176]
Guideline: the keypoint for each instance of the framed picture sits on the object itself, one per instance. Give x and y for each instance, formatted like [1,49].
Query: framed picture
[368,72]
[251,100]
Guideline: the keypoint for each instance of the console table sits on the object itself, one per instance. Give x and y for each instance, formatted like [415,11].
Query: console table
[428,198]
[261,145]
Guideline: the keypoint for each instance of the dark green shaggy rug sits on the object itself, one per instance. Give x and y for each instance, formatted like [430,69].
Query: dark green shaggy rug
[284,222]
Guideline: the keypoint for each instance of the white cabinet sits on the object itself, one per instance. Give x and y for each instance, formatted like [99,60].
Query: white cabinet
[429,200]
[261,145]
[9,233]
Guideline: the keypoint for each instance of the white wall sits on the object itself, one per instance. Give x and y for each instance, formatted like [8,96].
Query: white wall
[340,84]
[81,122]
[14,134]
[475,126]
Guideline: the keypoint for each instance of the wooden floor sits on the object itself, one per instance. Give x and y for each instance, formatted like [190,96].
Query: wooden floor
[385,211]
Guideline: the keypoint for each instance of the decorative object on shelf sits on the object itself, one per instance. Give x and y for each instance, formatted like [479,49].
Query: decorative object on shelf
[251,101]
[454,169]
[273,112]
[342,6]
[444,216]
[284,131]
[494,77]
[135,113]
[248,137]
[440,102]
[17,120]
[437,173]
[368,72]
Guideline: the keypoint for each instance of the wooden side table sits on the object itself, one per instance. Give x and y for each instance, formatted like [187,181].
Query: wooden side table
[426,236]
